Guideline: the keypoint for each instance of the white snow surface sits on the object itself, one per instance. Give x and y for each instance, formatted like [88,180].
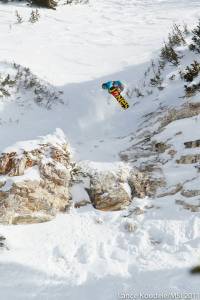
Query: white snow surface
[88,254]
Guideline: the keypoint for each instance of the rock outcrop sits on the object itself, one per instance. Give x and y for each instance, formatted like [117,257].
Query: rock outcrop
[192,144]
[116,189]
[35,183]
[143,184]
[189,159]
[160,147]
[190,193]
[186,111]
[108,192]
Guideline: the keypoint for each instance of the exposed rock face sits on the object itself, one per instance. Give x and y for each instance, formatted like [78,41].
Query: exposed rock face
[35,184]
[189,159]
[190,193]
[142,184]
[192,144]
[160,147]
[187,111]
[108,192]
[115,190]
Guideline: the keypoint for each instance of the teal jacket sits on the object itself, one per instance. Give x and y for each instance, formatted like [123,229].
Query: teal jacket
[110,84]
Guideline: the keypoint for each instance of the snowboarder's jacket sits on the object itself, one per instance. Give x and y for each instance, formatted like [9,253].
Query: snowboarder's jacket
[113,84]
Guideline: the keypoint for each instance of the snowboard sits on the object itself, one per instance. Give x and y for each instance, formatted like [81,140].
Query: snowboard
[115,93]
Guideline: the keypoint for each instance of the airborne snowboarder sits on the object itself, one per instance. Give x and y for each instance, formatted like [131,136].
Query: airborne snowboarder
[115,88]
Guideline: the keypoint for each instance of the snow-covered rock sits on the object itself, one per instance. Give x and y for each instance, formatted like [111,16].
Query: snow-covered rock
[107,192]
[35,182]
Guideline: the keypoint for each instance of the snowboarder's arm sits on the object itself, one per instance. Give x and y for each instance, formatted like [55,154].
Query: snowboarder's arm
[118,84]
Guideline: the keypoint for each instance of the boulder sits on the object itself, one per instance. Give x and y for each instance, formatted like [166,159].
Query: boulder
[115,189]
[107,192]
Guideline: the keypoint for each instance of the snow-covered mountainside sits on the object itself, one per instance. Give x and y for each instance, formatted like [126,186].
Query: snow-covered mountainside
[126,183]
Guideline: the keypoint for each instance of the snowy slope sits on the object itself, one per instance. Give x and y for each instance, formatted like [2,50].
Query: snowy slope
[77,48]
[91,254]
[80,43]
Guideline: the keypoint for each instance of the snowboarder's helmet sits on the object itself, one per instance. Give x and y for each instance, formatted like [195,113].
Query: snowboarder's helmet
[104,86]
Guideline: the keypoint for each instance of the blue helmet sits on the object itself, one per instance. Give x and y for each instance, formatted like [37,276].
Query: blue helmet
[104,86]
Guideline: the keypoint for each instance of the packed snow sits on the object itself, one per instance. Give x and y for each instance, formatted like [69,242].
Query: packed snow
[89,254]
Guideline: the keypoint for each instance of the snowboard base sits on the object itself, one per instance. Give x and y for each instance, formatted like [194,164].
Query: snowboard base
[115,93]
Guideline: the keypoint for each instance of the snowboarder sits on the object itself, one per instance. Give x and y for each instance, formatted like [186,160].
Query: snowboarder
[115,88]
[113,84]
